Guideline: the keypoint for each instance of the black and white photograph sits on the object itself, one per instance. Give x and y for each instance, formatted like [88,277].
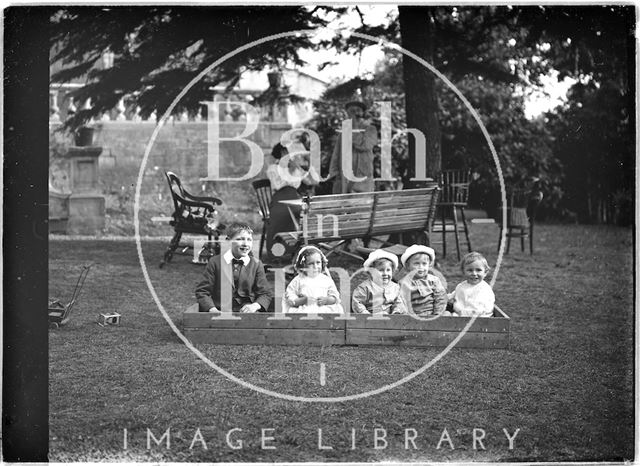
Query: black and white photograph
[320,233]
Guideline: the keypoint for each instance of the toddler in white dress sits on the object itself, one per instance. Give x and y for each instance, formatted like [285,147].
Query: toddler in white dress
[312,290]
[474,296]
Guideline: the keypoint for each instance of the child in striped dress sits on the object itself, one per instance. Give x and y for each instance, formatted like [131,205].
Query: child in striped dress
[423,292]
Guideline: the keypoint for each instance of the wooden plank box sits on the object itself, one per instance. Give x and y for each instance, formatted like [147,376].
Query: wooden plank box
[439,331]
[327,329]
[263,329]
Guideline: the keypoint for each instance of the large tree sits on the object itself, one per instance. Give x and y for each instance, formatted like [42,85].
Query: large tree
[523,146]
[417,30]
[460,43]
[510,49]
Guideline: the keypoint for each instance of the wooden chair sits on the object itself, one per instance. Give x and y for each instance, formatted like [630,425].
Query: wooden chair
[192,215]
[263,193]
[522,206]
[454,185]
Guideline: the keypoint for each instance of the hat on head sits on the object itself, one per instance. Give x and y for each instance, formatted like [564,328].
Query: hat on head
[356,103]
[417,249]
[380,254]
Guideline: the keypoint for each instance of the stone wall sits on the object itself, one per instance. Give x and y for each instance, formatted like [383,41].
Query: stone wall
[180,147]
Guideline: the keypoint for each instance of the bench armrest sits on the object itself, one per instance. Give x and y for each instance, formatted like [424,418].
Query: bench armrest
[191,204]
[212,200]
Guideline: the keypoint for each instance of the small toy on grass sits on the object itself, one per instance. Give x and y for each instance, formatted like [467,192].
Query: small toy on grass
[109,318]
[59,313]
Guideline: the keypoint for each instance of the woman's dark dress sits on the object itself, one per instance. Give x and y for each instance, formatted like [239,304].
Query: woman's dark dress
[281,220]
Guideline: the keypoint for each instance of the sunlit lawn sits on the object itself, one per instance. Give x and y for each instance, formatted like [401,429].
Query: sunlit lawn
[566,382]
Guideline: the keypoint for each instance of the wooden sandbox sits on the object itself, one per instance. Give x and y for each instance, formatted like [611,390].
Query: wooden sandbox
[325,330]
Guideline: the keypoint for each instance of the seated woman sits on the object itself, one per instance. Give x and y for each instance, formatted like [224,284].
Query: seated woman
[290,174]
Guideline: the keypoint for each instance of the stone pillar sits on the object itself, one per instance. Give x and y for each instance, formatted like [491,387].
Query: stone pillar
[86,203]
[54,110]
[58,211]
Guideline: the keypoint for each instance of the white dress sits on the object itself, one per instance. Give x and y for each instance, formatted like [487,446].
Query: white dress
[473,300]
[318,287]
[280,176]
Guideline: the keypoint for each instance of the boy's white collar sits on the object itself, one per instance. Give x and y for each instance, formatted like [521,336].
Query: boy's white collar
[228,256]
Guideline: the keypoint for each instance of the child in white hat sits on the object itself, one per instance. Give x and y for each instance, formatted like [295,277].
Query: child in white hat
[474,296]
[378,294]
[423,292]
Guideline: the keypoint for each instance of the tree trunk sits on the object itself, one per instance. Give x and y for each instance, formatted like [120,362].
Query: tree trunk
[421,101]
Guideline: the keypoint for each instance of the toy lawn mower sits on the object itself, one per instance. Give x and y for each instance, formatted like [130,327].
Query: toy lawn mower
[59,313]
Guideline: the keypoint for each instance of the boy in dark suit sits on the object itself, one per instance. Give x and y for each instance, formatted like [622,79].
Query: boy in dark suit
[238,269]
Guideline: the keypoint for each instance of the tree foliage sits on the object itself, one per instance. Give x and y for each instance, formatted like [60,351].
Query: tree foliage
[473,48]
[584,40]
[159,50]
[481,43]
[594,133]
[584,152]
[594,141]
[523,146]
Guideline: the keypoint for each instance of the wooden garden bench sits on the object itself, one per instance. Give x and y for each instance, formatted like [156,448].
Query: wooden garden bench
[341,217]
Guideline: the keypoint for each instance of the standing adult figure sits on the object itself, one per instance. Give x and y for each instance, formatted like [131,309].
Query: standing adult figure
[289,173]
[363,140]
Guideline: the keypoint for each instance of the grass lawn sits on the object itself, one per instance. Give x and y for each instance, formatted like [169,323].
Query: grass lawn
[566,383]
